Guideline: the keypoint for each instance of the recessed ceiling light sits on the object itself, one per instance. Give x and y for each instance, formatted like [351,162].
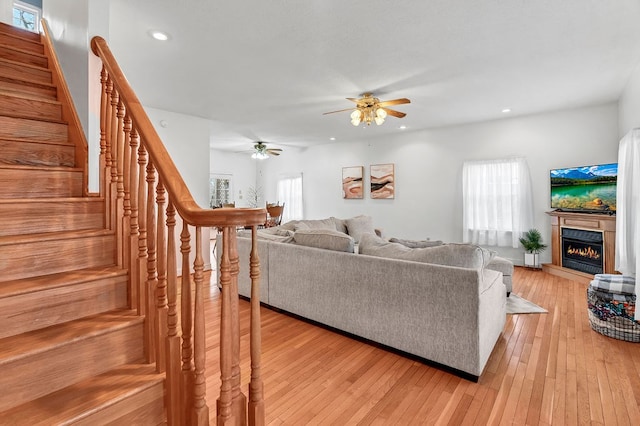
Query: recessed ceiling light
[332,139]
[402,127]
[506,110]
[159,35]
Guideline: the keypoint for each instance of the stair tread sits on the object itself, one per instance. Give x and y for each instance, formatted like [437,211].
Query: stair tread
[21,64]
[40,168]
[73,403]
[45,282]
[31,118]
[31,82]
[38,341]
[19,32]
[54,142]
[52,200]
[27,52]
[49,236]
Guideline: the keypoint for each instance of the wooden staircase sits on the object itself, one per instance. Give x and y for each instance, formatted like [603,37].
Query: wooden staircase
[71,342]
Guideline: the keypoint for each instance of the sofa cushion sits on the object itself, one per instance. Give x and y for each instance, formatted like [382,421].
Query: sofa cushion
[328,223]
[416,243]
[360,225]
[325,239]
[460,255]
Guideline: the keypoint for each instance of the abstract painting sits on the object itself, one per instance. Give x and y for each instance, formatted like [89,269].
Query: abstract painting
[382,181]
[352,186]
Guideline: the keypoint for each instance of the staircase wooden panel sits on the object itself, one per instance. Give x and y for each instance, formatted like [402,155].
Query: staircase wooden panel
[37,363]
[27,256]
[19,32]
[29,216]
[30,106]
[15,181]
[17,54]
[32,130]
[21,43]
[20,71]
[128,395]
[39,302]
[27,153]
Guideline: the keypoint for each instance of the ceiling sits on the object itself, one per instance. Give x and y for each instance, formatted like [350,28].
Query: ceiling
[268,69]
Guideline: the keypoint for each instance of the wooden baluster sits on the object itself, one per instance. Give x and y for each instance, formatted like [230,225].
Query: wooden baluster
[108,156]
[174,411]
[186,309]
[152,277]
[200,408]
[103,131]
[143,289]
[239,400]
[224,409]
[256,393]
[120,225]
[134,276]
[126,203]
[113,143]
[161,286]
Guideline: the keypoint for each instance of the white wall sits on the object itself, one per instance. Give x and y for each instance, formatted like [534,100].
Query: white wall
[629,104]
[72,24]
[428,166]
[6,11]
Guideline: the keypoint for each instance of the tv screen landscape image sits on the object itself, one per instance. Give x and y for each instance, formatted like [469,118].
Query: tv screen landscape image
[586,188]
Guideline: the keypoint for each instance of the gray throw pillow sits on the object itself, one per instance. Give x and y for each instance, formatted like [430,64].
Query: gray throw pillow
[360,225]
[460,255]
[325,239]
[416,243]
[316,224]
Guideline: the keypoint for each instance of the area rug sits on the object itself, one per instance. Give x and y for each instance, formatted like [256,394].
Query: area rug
[518,305]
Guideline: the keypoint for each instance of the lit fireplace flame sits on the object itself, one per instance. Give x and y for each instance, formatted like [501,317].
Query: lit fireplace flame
[584,252]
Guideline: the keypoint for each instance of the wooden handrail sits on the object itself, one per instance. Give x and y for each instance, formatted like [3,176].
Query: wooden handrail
[144,192]
[181,197]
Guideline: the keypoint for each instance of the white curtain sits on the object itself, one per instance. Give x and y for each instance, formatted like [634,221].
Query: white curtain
[498,203]
[290,193]
[628,208]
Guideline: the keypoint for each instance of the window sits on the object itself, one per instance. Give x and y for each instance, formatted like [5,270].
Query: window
[290,193]
[26,16]
[220,191]
[497,204]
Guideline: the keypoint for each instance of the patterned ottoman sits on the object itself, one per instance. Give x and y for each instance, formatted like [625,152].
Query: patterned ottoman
[612,303]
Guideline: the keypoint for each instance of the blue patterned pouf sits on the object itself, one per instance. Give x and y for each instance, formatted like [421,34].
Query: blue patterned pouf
[611,306]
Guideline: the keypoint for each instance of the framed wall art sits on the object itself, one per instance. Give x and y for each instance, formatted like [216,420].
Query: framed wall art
[382,181]
[352,182]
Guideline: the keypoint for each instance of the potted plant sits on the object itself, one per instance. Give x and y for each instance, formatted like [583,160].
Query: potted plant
[532,243]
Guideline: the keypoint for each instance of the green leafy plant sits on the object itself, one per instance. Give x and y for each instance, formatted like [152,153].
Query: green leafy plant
[532,241]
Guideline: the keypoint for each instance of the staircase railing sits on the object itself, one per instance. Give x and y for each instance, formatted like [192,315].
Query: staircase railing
[144,193]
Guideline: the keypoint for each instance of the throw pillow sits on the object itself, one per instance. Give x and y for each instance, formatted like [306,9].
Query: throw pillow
[360,225]
[325,239]
[416,243]
[316,224]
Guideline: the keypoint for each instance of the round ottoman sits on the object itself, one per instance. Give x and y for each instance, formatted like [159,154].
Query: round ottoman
[611,307]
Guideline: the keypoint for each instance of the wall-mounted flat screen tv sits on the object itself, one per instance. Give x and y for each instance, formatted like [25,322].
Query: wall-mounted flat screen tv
[586,188]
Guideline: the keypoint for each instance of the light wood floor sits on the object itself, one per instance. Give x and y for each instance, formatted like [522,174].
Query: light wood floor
[545,369]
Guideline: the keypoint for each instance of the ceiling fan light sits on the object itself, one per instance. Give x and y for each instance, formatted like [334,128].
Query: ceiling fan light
[381,113]
[355,121]
[355,114]
[379,120]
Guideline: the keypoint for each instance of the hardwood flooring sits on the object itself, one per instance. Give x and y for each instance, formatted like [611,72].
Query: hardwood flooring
[545,369]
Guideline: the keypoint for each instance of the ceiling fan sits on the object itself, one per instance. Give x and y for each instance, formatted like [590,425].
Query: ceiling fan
[261,152]
[369,108]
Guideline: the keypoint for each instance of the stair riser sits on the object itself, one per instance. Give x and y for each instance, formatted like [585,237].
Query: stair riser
[18,70]
[34,183]
[37,374]
[36,154]
[17,260]
[18,32]
[21,43]
[22,56]
[28,88]
[33,311]
[31,217]
[33,130]
[30,108]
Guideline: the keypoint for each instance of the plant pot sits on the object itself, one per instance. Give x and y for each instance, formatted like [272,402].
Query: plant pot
[531,260]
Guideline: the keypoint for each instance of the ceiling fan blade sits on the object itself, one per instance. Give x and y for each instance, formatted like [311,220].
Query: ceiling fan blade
[272,153]
[353,100]
[340,110]
[394,112]
[394,102]
[274,150]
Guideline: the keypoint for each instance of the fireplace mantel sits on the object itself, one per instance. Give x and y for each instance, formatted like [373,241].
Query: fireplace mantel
[604,223]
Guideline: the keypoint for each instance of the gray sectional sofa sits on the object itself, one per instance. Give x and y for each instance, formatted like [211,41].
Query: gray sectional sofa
[450,315]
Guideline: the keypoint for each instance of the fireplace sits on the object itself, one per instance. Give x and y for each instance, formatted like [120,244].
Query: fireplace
[582,250]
